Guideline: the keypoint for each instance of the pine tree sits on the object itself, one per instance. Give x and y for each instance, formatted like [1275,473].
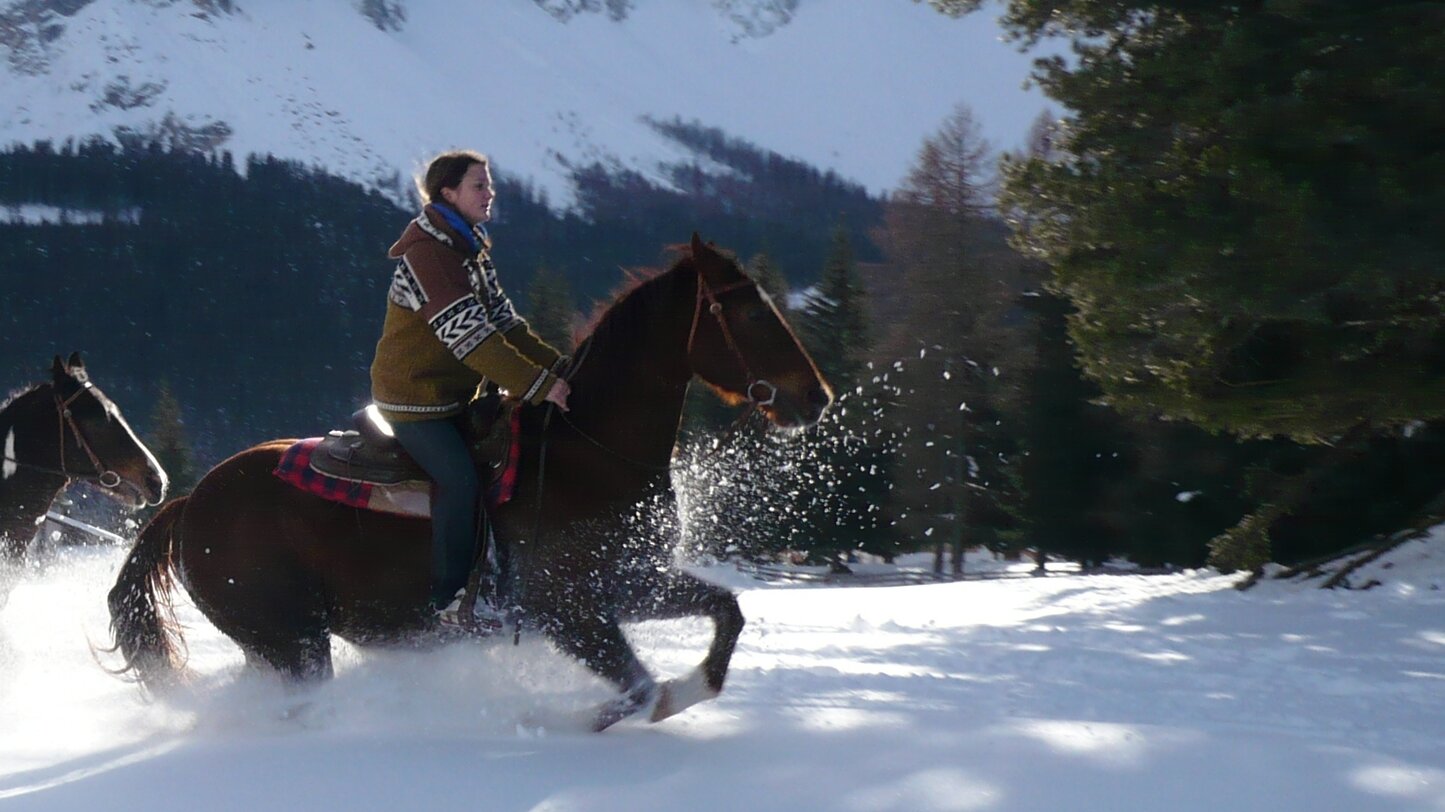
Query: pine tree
[1238,208]
[769,278]
[552,315]
[962,344]
[168,441]
[854,470]
[834,316]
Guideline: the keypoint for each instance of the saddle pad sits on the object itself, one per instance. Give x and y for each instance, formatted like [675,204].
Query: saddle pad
[408,498]
[405,499]
[295,468]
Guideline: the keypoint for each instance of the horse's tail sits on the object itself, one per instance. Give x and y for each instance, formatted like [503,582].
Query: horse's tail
[142,623]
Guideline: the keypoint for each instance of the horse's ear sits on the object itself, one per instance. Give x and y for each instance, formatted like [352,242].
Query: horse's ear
[75,361]
[58,369]
[697,246]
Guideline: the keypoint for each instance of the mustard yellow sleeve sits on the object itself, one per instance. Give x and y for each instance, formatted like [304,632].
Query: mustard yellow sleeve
[531,346]
[500,361]
[463,325]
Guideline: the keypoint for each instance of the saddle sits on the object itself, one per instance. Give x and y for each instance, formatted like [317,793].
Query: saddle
[366,453]
[370,454]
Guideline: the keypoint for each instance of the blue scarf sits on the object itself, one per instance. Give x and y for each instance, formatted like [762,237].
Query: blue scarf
[472,234]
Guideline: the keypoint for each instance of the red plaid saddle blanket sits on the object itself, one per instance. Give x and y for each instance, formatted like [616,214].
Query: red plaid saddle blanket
[408,498]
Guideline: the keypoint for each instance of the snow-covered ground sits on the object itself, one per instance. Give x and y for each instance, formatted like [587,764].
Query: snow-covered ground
[1107,692]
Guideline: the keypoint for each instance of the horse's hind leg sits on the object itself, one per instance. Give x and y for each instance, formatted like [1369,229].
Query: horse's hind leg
[298,646]
[303,658]
[675,594]
[277,621]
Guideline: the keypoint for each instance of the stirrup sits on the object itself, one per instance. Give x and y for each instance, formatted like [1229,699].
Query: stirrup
[484,620]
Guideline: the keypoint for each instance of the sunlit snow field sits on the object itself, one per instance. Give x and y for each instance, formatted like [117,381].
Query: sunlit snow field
[1106,692]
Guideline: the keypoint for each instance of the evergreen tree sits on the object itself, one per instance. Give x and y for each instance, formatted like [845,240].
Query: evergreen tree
[769,279]
[836,323]
[553,314]
[847,512]
[1240,209]
[168,442]
[1070,450]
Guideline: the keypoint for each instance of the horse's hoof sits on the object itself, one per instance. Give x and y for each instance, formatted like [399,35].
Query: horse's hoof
[629,704]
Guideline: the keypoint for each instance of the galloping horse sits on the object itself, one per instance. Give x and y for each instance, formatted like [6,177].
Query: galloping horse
[278,570]
[56,432]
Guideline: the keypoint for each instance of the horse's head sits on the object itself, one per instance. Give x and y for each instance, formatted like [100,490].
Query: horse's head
[98,445]
[743,348]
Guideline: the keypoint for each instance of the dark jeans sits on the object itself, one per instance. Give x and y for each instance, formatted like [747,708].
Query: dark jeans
[440,448]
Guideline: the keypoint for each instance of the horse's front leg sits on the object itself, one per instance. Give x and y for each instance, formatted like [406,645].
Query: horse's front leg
[12,560]
[673,594]
[587,631]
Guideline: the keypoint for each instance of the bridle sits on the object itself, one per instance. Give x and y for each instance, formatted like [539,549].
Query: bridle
[103,476]
[710,294]
[705,292]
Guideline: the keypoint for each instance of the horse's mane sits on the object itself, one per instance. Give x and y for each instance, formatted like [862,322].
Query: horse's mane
[640,285]
[16,394]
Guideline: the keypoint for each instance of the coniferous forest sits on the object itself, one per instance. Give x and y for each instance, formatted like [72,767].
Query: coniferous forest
[1193,320]
[257,295]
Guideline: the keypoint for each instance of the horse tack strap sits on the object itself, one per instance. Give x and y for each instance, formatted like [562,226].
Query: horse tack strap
[106,477]
[704,291]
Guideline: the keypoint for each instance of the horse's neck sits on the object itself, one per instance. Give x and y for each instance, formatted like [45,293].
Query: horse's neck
[22,416]
[25,493]
[629,389]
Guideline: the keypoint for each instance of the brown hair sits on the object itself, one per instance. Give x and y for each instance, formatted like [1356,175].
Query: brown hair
[445,172]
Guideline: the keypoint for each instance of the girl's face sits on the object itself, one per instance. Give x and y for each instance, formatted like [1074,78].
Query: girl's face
[472,198]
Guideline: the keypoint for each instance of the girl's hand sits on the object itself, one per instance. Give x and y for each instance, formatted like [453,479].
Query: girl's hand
[558,394]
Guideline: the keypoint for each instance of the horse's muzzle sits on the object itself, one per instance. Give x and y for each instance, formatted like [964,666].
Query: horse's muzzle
[156,484]
[801,412]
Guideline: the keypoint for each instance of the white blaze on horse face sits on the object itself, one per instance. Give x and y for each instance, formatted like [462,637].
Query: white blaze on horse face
[150,458]
[10,466]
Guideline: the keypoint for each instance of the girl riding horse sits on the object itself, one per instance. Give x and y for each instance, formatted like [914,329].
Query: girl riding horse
[591,528]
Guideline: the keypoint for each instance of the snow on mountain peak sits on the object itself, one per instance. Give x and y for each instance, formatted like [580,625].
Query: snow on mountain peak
[368,89]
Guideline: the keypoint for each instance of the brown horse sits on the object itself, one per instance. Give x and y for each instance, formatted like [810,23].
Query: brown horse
[589,533]
[57,432]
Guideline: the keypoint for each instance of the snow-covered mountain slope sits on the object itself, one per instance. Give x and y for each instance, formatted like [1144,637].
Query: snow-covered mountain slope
[369,88]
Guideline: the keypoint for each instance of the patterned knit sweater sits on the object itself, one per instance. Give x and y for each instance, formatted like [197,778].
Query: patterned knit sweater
[449,325]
